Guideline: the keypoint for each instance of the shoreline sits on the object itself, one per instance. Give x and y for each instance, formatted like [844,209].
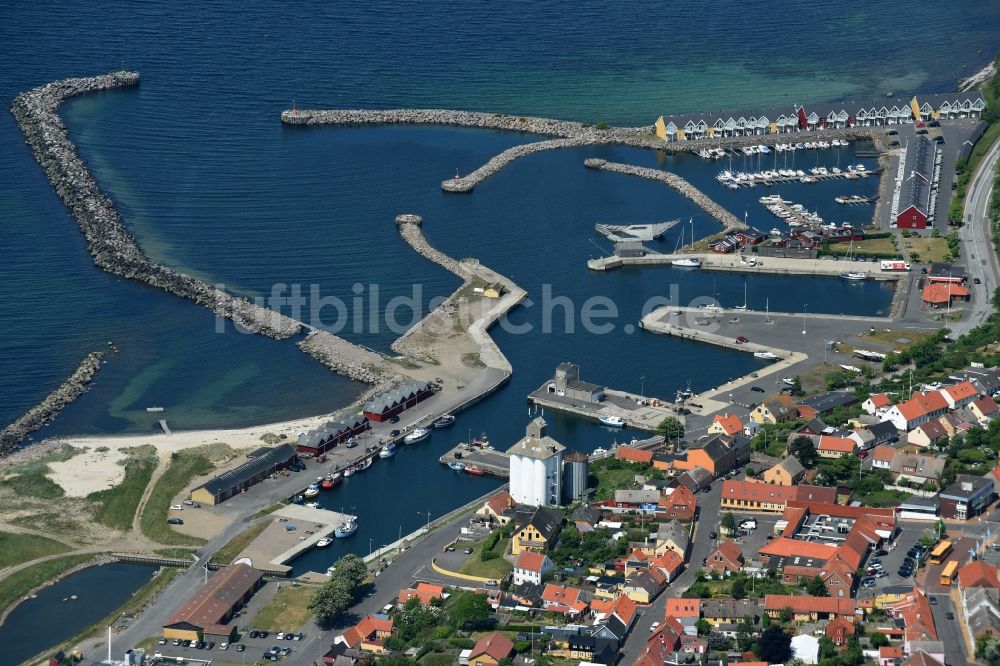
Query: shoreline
[12,436]
[97,559]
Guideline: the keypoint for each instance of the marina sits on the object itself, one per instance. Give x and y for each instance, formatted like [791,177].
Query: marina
[293,530]
[737,179]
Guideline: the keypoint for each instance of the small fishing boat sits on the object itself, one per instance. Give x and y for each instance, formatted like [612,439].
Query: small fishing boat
[346,528]
[388,451]
[599,451]
[474,471]
[418,435]
[312,505]
[445,421]
[324,542]
[311,491]
[349,472]
[298,499]
[365,465]
[851,368]
[854,276]
[686,262]
[612,420]
[482,441]
[331,481]
[766,355]
[457,466]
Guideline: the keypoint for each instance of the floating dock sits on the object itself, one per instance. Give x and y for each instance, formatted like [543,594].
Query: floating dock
[491,461]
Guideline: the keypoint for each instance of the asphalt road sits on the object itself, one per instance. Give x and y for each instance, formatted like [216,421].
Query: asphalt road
[701,546]
[980,256]
[949,631]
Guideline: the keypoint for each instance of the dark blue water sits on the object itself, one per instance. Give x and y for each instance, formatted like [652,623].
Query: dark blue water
[52,617]
[211,183]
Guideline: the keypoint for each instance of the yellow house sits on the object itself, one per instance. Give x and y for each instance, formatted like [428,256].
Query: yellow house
[787,472]
[536,531]
[776,409]
[493,290]
[661,129]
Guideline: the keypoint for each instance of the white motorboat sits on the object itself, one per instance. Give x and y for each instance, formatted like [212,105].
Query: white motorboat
[855,276]
[766,355]
[457,466]
[349,472]
[312,505]
[388,451]
[445,421]
[418,435]
[324,542]
[346,529]
[613,421]
[311,491]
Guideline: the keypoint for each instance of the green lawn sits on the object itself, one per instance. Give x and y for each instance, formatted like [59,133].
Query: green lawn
[17,548]
[13,588]
[116,506]
[496,568]
[184,466]
[878,247]
[928,249]
[287,611]
[228,553]
[613,474]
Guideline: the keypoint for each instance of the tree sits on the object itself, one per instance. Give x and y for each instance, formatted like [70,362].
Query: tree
[878,639]
[774,646]
[765,621]
[671,429]
[816,588]
[744,635]
[351,569]
[329,601]
[703,627]
[728,522]
[827,648]
[469,610]
[802,447]
[786,614]
[796,385]
[738,590]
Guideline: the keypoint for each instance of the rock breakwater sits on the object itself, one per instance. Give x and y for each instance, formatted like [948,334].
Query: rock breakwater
[116,251]
[111,245]
[350,360]
[39,415]
[685,188]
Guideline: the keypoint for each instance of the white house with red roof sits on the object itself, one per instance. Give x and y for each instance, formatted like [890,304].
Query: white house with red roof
[877,404]
[919,409]
[959,395]
[985,409]
[530,568]
[726,424]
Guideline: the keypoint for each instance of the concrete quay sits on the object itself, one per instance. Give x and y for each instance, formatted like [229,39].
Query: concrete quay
[627,406]
[50,406]
[769,265]
[276,545]
[491,461]
[703,201]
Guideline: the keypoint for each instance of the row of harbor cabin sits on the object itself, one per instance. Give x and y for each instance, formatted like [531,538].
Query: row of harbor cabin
[322,439]
[842,115]
[391,403]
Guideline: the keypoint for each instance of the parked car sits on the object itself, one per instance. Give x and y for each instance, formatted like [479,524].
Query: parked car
[241,647]
[394,419]
[254,633]
[757,389]
[653,627]
[299,636]
[163,641]
[741,339]
[280,637]
[176,507]
[394,433]
[174,521]
[976,281]
[882,574]
[492,583]
[922,131]
[467,551]
[949,616]
[931,598]
[224,646]
[713,535]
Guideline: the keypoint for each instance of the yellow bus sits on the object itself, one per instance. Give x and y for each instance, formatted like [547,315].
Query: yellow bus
[940,552]
[948,573]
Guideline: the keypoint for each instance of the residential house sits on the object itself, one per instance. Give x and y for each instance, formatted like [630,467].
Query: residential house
[959,395]
[876,404]
[978,573]
[695,479]
[683,609]
[922,658]
[726,424]
[563,599]
[425,592]
[530,567]
[917,617]
[966,498]
[586,518]
[633,499]
[729,611]
[836,447]
[786,472]
[644,586]
[916,468]
[719,455]
[369,634]
[884,431]
[890,655]
[919,409]
[807,608]
[927,434]
[882,456]
[497,507]
[726,559]
[839,630]
[669,564]
[678,504]
[622,607]
[662,644]
[864,438]
[537,529]
[755,496]
[491,649]
[775,409]
[827,402]
[672,535]
[750,429]
[981,607]
[985,409]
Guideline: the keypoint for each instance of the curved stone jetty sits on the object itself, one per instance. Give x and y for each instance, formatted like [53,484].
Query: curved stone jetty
[12,436]
[113,248]
[499,161]
[116,251]
[409,229]
[702,200]
[350,360]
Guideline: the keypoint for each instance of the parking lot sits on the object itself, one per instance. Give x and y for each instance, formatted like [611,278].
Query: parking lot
[908,534]
[255,648]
